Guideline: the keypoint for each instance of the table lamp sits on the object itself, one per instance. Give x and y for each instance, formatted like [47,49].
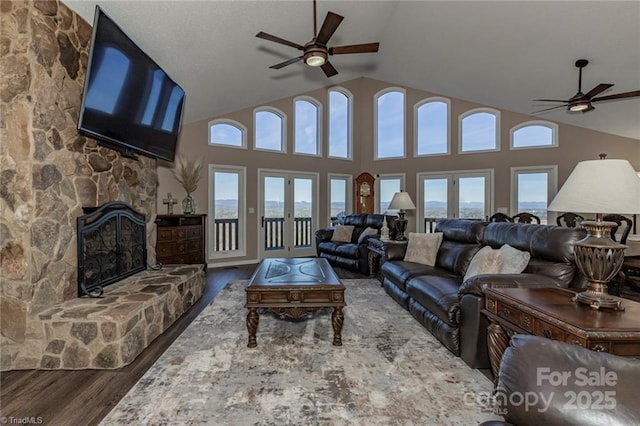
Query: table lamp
[599,187]
[401,201]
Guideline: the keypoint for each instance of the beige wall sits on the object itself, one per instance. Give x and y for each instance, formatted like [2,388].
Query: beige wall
[576,144]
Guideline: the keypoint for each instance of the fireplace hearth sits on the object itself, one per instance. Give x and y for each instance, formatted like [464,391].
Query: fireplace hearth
[112,245]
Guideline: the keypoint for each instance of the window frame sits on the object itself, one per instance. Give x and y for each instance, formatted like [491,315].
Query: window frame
[552,187]
[242,217]
[283,118]
[376,96]
[318,106]
[555,140]
[473,111]
[416,107]
[349,192]
[230,122]
[349,97]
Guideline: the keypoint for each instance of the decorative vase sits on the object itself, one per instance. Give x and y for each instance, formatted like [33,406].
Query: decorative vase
[188,204]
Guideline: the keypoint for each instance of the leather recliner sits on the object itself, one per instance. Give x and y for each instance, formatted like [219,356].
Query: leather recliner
[353,255]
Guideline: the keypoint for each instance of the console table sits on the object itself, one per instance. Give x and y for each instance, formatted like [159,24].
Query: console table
[550,312]
[181,238]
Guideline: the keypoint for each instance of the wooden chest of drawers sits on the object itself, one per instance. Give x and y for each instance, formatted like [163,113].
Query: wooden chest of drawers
[181,238]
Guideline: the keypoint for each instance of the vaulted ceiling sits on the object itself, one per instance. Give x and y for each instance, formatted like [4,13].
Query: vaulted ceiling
[502,54]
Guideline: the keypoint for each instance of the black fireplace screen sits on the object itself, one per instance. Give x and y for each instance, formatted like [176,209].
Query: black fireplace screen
[112,245]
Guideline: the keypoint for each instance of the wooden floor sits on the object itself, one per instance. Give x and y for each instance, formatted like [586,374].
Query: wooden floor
[84,397]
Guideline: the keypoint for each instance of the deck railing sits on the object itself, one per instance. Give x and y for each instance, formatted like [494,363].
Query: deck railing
[226,233]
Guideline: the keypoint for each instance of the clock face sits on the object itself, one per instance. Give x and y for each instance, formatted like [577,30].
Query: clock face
[365,189]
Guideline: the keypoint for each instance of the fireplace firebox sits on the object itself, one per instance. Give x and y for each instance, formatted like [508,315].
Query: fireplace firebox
[112,245]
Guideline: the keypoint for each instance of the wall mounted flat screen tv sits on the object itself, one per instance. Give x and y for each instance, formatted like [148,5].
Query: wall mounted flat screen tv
[129,104]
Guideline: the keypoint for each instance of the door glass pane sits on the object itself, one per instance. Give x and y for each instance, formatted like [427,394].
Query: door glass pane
[471,197]
[435,201]
[226,213]
[388,187]
[274,188]
[338,196]
[532,194]
[302,208]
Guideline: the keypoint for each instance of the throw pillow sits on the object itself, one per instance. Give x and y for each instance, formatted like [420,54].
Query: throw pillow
[423,248]
[513,260]
[342,233]
[368,231]
[485,261]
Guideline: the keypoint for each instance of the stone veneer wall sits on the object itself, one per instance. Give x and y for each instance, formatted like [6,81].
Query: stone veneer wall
[49,172]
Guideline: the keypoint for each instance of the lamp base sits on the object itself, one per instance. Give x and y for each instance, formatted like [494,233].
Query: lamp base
[401,226]
[599,258]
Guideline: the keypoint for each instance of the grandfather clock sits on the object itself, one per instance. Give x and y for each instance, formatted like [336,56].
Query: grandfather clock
[364,193]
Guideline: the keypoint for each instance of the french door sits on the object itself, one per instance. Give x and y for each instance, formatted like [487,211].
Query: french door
[467,195]
[288,213]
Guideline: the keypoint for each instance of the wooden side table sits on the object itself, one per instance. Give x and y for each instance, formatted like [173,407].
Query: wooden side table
[377,253]
[550,312]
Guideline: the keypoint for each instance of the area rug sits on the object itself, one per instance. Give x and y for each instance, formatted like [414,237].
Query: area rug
[389,371]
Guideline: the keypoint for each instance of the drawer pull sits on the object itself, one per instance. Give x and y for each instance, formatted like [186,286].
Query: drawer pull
[598,348]
[506,312]
[547,333]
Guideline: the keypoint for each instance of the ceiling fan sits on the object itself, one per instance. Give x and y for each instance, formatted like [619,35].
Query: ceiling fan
[583,102]
[315,53]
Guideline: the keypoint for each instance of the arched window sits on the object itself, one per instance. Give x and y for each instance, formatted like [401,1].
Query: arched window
[307,118]
[340,123]
[389,122]
[534,134]
[431,120]
[479,130]
[269,125]
[229,133]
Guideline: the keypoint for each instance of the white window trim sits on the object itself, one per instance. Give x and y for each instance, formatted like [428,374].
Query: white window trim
[234,123]
[318,106]
[283,116]
[403,186]
[349,97]
[375,123]
[415,126]
[475,111]
[555,142]
[552,187]
[349,193]
[242,218]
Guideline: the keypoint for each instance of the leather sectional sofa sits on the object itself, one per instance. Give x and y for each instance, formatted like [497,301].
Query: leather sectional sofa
[449,307]
[354,254]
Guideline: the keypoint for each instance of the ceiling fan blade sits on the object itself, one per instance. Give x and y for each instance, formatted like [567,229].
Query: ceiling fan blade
[285,63]
[596,90]
[329,26]
[354,48]
[275,39]
[550,109]
[328,69]
[550,100]
[633,94]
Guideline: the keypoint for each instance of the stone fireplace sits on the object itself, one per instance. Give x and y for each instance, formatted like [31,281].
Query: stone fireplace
[49,173]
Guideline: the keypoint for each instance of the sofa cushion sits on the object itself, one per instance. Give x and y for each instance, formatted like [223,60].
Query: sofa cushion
[368,232]
[462,230]
[399,272]
[455,256]
[423,248]
[564,272]
[438,294]
[348,250]
[486,261]
[513,260]
[342,233]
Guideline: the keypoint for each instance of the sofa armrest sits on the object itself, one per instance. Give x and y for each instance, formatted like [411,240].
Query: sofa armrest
[394,250]
[322,235]
[475,285]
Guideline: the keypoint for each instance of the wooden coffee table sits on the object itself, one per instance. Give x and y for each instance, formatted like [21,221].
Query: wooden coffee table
[295,288]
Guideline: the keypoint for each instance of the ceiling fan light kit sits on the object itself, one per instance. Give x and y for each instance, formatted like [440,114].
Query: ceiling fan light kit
[581,102]
[316,53]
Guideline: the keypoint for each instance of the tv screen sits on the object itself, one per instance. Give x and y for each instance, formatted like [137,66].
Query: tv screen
[129,104]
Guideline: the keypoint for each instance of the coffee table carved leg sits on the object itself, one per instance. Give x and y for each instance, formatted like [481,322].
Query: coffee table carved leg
[252,326]
[337,319]
[497,340]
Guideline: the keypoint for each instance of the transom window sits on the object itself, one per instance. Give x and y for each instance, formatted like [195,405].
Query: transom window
[227,133]
[480,130]
[389,124]
[431,118]
[307,128]
[339,118]
[270,125]
[534,134]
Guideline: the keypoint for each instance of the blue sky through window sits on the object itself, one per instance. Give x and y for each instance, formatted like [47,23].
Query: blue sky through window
[532,187]
[226,192]
[534,135]
[390,125]
[388,187]
[268,131]
[479,132]
[306,127]
[432,127]
[338,124]
[225,134]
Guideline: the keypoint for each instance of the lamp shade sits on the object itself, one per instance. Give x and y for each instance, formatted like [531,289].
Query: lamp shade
[402,201]
[599,186]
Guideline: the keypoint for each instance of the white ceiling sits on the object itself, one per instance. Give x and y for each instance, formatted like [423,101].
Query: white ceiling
[501,53]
